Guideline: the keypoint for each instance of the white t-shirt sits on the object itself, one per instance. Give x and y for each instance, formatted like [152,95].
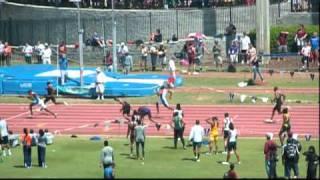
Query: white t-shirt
[107,155]
[40,49]
[46,53]
[233,135]
[245,41]
[100,78]
[180,113]
[172,66]
[197,133]
[3,128]
[1,48]
[227,122]
[28,50]
[306,50]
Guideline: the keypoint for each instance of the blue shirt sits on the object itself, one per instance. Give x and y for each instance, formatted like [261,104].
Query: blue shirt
[233,50]
[63,63]
[314,41]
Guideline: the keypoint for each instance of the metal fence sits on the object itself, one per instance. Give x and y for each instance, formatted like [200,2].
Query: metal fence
[130,27]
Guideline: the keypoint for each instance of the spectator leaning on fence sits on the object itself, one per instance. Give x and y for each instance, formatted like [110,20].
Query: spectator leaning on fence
[7,53]
[46,56]
[27,50]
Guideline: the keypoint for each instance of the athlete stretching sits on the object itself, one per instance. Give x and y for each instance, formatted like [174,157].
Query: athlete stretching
[36,101]
[214,123]
[278,99]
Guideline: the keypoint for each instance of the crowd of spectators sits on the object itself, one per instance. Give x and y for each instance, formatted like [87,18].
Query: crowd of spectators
[143,4]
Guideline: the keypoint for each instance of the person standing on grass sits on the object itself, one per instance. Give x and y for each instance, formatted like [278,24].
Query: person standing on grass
[127,63]
[39,51]
[227,120]
[278,99]
[145,111]
[107,159]
[313,162]
[214,133]
[28,50]
[290,156]
[232,143]
[140,137]
[4,137]
[131,127]
[42,143]
[196,136]
[178,125]
[26,145]
[172,67]
[286,125]
[36,101]
[306,54]
[245,41]
[270,152]
[51,95]
[46,55]
[179,110]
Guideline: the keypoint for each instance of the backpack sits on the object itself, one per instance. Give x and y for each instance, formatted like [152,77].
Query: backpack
[291,151]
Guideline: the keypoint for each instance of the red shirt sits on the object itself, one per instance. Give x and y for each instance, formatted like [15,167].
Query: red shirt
[268,147]
[282,40]
[232,174]
[301,33]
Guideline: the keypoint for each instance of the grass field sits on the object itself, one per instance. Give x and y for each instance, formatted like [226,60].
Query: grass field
[79,158]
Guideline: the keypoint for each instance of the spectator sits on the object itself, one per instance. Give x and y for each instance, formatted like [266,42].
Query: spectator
[109,62]
[313,161]
[127,64]
[144,56]
[123,49]
[200,48]
[297,6]
[49,136]
[245,41]
[7,53]
[46,55]
[42,143]
[178,125]
[290,156]
[306,54]
[2,63]
[231,174]
[196,137]
[252,54]
[39,52]
[100,80]
[237,41]
[300,37]
[181,114]
[162,57]
[139,132]
[174,38]
[191,53]
[158,36]
[63,66]
[216,50]
[63,49]
[233,52]
[282,42]
[270,152]
[34,138]
[227,121]
[232,143]
[107,160]
[230,33]
[27,50]
[154,57]
[314,41]
[172,67]
[97,40]
[214,132]
[4,137]
[26,142]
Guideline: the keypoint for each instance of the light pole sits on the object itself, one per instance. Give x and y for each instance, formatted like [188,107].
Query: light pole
[80,33]
[114,40]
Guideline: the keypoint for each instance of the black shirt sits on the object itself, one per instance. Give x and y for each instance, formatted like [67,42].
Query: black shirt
[158,37]
[50,91]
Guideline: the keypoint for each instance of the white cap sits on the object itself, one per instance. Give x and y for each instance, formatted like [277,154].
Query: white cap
[45,44]
[122,44]
[98,69]
[269,134]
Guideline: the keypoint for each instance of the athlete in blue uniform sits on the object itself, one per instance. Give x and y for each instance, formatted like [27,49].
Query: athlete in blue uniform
[145,111]
[36,101]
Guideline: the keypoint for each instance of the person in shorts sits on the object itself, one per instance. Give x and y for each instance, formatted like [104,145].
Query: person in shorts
[232,143]
[145,111]
[191,52]
[4,137]
[50,95]
[162,93]
[196,136]
[286,125]
[216,50]
[227,120]
[36,101]
[214,133]
[278,99]
[130,133]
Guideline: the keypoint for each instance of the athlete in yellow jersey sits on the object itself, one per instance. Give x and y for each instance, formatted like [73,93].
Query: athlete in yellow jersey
[214,133]
[286,126]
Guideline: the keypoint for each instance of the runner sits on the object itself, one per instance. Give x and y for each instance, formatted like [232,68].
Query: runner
[125,109]
[131,126]
[162,93]
[227,120]
[145,111]
[278,99]
[213,138]
[36,101]
[50,95]
[286,126]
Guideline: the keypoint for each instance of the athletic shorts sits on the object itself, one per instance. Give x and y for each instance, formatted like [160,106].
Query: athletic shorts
[213,137]
[196,144]
[163,100]
[39,103]
[285,129]
[132,138]
[4,140]
[225,134]
[277,108]
[100,88]
[126,111]
[232,146]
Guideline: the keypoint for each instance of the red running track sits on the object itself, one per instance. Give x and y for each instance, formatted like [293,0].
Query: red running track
[80,119]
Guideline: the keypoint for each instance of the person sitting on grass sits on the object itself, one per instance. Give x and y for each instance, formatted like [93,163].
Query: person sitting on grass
[36,101]
[214,126]
[232,143]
